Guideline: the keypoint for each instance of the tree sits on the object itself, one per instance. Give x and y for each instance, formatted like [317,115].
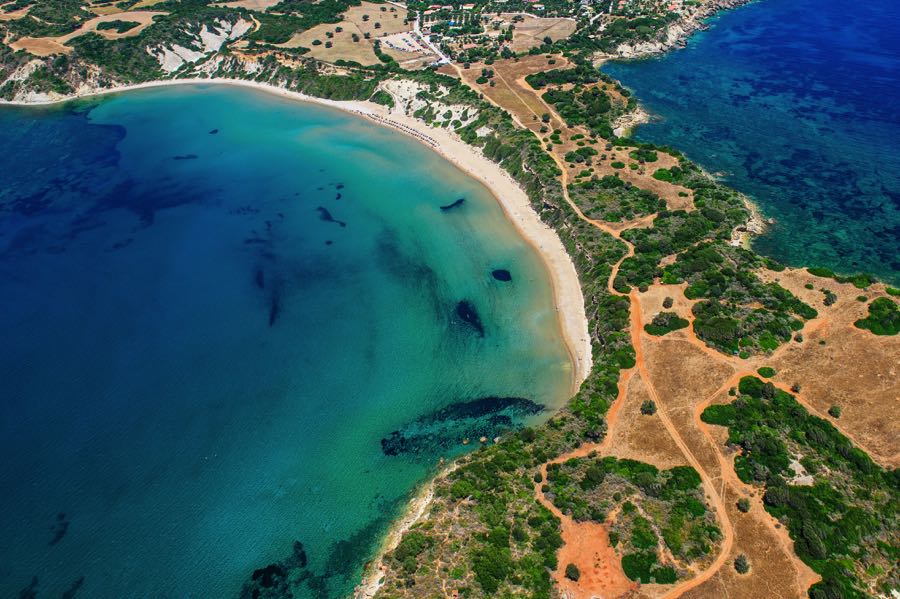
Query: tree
[545,117]
[834,411]
[742,564]
[743,505]
[648,408]
[667,303]
[573,573]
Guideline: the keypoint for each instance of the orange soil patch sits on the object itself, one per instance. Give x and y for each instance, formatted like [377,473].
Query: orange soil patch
[587,546]
[642,437]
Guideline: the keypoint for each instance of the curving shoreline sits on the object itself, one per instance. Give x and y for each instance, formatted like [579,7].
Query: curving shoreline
[512,199]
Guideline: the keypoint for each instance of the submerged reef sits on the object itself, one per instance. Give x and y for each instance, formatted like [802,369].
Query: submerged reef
[455,204]
[325,215]
[469,315]
[450,426]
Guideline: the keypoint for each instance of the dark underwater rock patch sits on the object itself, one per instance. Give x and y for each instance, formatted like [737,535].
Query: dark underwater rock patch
[274,308]
[73,589]
[469,419]
[260,278]
[281,579]
[31,204]
[501,275]
[185,157]
[30,592]
[244,210]
[325,215]
[455,204]
[275,580]
[214,132]
[59,528]
[466,311]
[122,244]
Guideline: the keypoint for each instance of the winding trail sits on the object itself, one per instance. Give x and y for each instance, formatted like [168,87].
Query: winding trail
[587,544]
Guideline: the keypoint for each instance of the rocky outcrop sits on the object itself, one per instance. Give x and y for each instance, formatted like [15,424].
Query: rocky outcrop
[677,34]
[207,40]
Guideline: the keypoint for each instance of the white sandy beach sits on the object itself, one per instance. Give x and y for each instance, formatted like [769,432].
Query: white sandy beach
[511,197]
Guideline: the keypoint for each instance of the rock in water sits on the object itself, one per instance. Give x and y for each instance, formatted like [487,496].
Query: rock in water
[326,216]
[455,204]
[466,311]
[501,275]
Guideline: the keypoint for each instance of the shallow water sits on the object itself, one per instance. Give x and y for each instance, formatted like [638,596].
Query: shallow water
[795,103]
[216,305]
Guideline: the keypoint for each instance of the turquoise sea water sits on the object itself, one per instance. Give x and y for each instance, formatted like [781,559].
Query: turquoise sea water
[796,103]
[230,323]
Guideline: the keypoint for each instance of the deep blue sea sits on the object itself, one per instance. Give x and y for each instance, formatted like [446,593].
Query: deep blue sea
[797,104]
[230,323]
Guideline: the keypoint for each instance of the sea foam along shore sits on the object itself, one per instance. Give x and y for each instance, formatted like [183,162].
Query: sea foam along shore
[509,195]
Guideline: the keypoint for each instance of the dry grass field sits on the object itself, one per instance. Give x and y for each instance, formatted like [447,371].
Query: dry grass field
[383,22]
[530,32]
[343,46]
[48,46]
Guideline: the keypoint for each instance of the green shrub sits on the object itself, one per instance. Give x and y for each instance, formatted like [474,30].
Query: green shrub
[741,564]
[648,407]
[883,318]
[767,372]
[664,323]
[572,572]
